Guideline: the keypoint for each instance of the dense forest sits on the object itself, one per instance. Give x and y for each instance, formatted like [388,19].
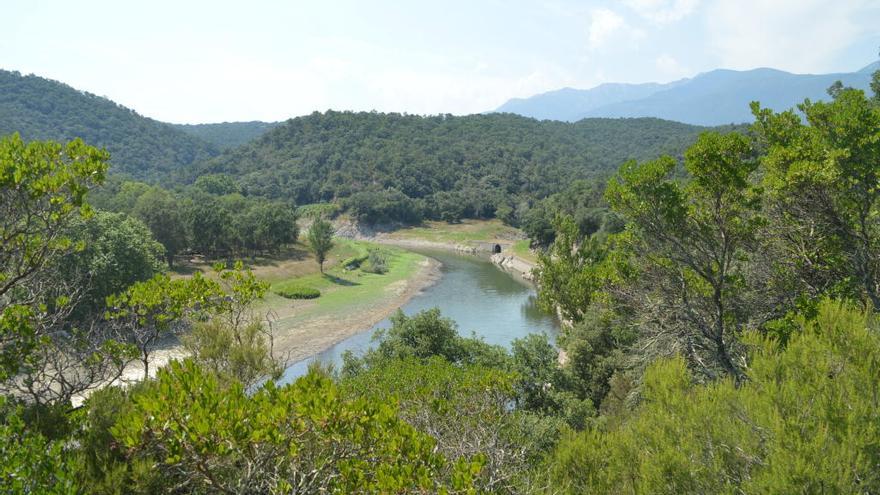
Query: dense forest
[210,217]
[391,167]
[227,135]
[41,109]
[382,168]
[722,336]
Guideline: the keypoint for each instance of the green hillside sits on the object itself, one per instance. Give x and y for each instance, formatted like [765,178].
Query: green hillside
[227,135]
[41,109]
[386,166]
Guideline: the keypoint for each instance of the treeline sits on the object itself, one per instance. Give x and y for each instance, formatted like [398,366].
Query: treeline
[405,168]
[209,218]
[41,109]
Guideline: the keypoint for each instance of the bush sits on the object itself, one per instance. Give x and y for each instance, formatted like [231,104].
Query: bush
[354,262]
[297,292]
[805,421]
[318,210]
[377,262]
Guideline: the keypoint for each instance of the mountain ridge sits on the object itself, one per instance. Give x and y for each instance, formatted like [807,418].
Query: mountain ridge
[716,97]
[39,108]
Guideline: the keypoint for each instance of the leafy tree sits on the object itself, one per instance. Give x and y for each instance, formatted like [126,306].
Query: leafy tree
[304,437]
[79,352]
[320,240]
[236,343]
[148,311]
[574,271]
[804,421]
[118,251]
[42,190]
[821,178]
[209,223]
[266,226]
[31,462]
[217,184]
[465,409]
[161,212]
[693,242]
[423,335]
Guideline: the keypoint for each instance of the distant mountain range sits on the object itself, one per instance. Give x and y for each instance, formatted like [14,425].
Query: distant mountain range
[713,98]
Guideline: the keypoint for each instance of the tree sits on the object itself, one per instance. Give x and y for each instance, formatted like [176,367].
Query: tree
[160,211]
[692,244]
[321,240]
[209,223]
[305,437]
[803,422]
[236,343]
[266,226]
[821,177]
[42,190]
[148,311]
[78,351]
[573,272]
[465,409]
[118,250]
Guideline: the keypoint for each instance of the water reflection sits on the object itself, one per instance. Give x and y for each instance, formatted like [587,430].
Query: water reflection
[476,294]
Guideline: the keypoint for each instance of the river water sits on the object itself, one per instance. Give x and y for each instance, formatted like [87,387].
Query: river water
[480,297]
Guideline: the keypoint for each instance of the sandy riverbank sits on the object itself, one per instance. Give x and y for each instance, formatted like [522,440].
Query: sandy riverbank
[312,335]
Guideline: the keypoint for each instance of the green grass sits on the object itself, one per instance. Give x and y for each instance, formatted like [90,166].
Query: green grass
[467,230]
[348,290]
[521,249]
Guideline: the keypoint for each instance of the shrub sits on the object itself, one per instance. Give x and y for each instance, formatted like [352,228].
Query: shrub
[297,292]
[354,262]
[377,262]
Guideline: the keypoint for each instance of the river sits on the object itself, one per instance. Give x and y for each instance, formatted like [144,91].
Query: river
[479,296]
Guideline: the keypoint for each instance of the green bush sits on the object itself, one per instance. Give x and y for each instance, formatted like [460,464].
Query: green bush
[318,210]
[354,262]
[297,292]
[377,262]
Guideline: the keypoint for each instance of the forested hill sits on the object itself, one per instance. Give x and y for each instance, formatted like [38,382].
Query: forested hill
[227,135]
[41,109]
[478,162]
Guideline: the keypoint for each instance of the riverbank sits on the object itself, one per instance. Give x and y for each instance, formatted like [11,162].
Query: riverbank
[305,328]
[468,237]
[351,301]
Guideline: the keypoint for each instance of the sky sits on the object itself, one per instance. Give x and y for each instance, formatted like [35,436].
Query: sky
[195,62]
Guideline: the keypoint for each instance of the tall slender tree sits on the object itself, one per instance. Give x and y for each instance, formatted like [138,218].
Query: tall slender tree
[321,240]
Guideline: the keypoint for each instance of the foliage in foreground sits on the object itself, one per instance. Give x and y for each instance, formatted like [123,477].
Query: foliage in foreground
[806,420]
[301,438]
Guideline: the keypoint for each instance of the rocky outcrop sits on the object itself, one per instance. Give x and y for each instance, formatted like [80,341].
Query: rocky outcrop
[514,264]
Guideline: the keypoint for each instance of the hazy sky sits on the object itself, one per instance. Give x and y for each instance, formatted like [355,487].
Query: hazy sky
[186,61]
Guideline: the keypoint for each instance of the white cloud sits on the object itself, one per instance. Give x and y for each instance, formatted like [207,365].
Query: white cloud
[794,35]
[606,25]
[663,11]
[603,24]
[671,68]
